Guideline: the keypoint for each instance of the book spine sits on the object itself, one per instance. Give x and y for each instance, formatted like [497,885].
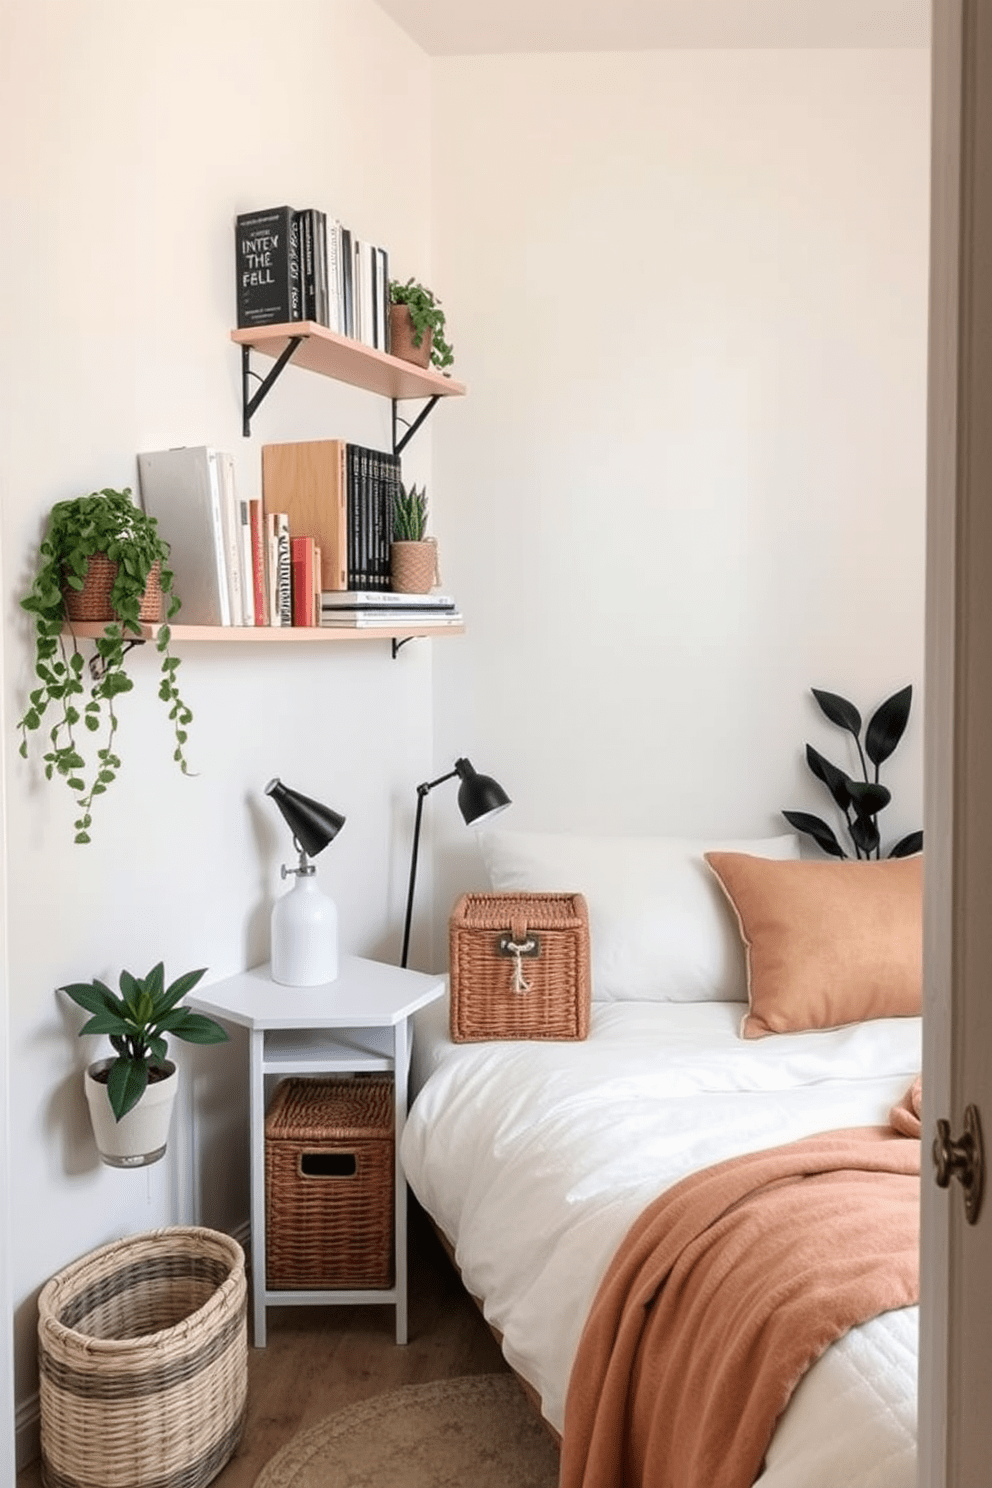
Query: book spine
[263,266]
[302,559]
[232,534]
[284,570]
[272,569]
[295,275]
[307,262]
[247,577]
[348,282]
[216,481]
[383,298]
[320,265]
[334,275]
[353,579]
[259,597]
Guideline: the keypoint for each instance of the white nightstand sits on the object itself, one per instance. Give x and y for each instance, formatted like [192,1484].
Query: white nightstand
[358,1022]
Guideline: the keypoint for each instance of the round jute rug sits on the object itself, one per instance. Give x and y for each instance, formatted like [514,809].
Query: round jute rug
[477,1431]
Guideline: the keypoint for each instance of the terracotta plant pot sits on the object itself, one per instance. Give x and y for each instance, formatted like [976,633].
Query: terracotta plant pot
[413,566]
[401,338]
[92,602]
[140,1136]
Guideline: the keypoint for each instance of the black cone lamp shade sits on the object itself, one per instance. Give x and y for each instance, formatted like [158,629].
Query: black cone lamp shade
[304,950]
[479,796]
[312,824]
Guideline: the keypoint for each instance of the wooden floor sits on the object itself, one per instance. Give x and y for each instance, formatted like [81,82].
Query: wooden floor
[320,1359]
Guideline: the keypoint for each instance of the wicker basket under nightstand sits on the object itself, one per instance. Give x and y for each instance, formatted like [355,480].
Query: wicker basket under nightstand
[329,1183]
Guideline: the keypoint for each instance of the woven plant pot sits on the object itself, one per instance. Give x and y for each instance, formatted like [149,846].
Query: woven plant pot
[413,566]
[401,338]
[143,1356]
[92,602]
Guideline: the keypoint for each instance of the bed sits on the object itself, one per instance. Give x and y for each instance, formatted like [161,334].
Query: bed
[534,1159]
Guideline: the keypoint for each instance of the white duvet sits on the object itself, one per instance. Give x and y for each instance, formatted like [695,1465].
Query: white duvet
[535,1158]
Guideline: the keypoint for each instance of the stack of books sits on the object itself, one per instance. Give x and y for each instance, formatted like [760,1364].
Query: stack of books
[359,609]
[305,265]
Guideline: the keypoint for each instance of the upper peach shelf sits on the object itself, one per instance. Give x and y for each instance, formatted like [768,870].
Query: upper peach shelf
[324,351]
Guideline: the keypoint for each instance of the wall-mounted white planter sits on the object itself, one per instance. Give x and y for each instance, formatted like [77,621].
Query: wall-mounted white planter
[140,1136]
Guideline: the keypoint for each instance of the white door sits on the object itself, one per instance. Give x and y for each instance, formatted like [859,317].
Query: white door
[956,1259]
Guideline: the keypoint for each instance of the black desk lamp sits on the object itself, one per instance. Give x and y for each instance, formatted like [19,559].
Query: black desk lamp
[304,949]
[479,796]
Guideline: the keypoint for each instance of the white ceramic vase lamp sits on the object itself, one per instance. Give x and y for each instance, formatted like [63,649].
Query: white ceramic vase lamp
[304,949]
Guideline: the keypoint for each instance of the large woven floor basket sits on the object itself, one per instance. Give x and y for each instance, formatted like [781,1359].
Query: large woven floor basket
[143,1355]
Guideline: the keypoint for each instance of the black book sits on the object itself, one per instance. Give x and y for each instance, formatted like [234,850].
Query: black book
[353,519]
[307,262]
[320,267]
[263,262]
[347,283]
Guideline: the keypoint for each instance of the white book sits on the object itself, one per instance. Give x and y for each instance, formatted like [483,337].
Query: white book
[180,488]
[351,599]
[335,286]
[232,535]
[284,570]
[369,619]
[272,568]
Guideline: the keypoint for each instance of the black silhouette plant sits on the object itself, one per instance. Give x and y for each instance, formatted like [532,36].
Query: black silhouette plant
[860,801]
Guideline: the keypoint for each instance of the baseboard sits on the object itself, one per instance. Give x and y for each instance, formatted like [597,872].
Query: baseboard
[27,1415]
[27,1432]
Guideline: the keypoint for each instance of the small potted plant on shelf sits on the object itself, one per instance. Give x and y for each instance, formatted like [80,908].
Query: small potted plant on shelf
[416,326]
[130,1096]
[101,559]
[412,555]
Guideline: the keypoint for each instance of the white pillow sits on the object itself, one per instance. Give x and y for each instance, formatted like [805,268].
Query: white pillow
[659,926]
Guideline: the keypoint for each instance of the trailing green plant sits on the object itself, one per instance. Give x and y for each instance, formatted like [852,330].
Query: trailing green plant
[104,523]
[409,514]
[426,315]
[859,801]
[137,1023]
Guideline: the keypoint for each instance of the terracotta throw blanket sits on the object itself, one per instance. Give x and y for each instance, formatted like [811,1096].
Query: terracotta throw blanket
[727,1288]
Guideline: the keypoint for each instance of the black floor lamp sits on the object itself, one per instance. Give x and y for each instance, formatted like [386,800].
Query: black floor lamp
[479,796]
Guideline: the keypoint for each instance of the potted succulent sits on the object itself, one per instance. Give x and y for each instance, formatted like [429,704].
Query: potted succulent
[416,326]
[130,1095]
[101,559]
[412,555]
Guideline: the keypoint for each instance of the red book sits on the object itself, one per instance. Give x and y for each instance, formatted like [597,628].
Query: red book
[256,517]
[303,551]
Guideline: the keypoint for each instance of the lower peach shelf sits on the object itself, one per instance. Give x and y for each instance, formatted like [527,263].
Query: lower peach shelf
[282,634]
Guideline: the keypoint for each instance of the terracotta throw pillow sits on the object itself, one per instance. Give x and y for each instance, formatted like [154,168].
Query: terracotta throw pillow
[826,943]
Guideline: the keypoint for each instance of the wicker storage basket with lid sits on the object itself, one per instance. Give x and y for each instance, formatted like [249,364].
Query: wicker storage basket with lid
[330,1183]
[143,1356]
[519,967]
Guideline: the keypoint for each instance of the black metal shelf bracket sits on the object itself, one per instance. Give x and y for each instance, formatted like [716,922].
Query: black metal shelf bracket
[397,643]
[399,444]
[250,402]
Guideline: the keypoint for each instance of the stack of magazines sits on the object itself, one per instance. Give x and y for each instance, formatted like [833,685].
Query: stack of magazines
[358,608]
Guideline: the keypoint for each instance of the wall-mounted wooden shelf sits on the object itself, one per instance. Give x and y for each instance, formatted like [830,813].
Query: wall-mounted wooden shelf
[278,634]
[317,349]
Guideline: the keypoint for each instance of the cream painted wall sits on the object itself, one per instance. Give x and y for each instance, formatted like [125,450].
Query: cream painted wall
[687,291]
[132,134]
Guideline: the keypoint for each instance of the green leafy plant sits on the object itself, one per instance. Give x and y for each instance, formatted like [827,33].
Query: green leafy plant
[137,1022]
[426,314]
[860,801]
[106,523]
[409,514]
